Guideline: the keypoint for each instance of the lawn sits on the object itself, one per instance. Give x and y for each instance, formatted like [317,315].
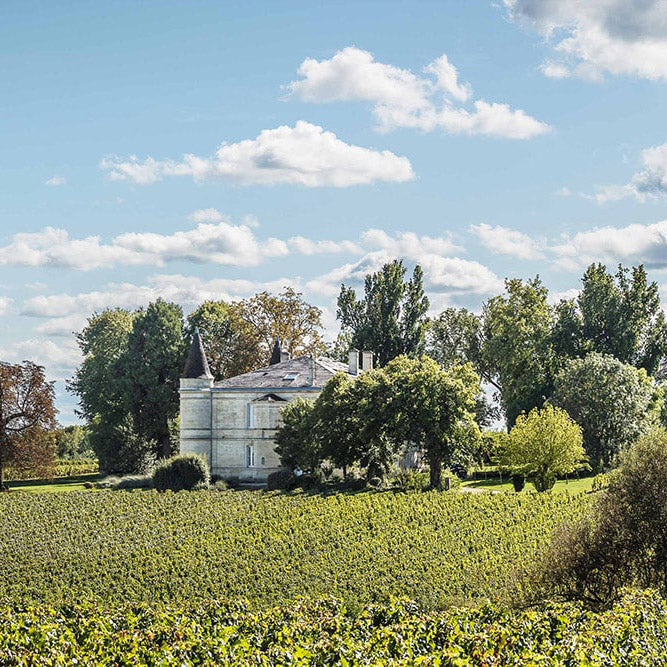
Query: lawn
[57,485]
[570,486]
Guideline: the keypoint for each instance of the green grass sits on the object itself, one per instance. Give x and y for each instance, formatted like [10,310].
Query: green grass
[57,485]
[572,486]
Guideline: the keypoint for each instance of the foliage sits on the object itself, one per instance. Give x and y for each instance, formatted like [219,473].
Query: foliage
[543,445]
[325,631]
[281,480]
[120,450]
[152,365]
[612,402]
[270,548]
[61,468]
[185,472]
[391,320]
[295,440]
[287,315]
[231,344]
[614,315]
[517,347]
[126,482]
[432,408]
[72,442]
[624,539]
[27,419]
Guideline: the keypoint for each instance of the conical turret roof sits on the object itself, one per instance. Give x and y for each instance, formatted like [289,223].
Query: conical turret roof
[196,365]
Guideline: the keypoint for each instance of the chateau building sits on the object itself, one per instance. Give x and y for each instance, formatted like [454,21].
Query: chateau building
[232,422]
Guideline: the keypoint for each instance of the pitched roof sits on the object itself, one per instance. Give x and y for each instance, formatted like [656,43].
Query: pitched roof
[196,365]
[292,374]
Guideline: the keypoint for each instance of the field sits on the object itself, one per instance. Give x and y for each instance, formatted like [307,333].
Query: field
[238,578]
[436,548]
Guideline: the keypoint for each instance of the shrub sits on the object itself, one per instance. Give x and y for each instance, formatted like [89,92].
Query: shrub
[185,472]
[410,480]
[134,482]
[375,482]
[281,480]
[518,481]
[624,540]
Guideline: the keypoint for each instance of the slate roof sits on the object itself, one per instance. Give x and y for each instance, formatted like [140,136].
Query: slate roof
[274,376]
[196,365]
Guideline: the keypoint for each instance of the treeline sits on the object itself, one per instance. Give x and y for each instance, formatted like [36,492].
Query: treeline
[128,382]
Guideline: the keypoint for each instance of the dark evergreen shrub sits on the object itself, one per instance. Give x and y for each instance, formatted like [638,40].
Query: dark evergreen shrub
[281,480]
[186,472]
[518,481]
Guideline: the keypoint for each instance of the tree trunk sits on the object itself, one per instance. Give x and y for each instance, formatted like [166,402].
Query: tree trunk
[435,471]
[2,463]
[344,473]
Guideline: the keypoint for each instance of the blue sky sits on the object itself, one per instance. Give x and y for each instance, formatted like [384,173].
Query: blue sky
[482,139]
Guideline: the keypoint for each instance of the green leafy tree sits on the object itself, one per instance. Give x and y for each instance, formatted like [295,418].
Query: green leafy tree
[544,444]
[152,365]
[72,442]
[391,319]
[295,438]
[231,344]
[613,403]
[119,448]
[433,408]
[517,346]
[98,381]
[617,315]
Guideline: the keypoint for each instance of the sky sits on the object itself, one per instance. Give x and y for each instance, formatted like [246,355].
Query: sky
[210,150]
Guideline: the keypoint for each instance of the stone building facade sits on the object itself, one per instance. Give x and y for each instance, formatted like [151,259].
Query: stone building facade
[232,422]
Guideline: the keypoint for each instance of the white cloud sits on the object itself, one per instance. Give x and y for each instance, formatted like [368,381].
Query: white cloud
[504,241]
[401,98]
[594,37]
[556,297]
[648,183]
[59,359]
[55,181]
[304,154]
[636,243]
[5,303]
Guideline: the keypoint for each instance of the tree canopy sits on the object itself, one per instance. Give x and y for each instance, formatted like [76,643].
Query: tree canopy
[391,319]
[27,418]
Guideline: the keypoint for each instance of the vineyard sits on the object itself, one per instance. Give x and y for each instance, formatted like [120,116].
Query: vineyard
[324,632]
[116,547]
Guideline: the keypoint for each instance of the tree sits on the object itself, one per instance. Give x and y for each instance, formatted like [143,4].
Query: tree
[287,315]
[433,408]
[98,382]
[152,365]
[613,403]
[27,418]
[517,348]
[295,440]
[544,444]
[231,344]
[72,442]
[616,315]
[623,541]
[391,320]
[119,448]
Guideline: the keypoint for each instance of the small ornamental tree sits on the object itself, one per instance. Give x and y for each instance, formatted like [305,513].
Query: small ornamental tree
[544,444]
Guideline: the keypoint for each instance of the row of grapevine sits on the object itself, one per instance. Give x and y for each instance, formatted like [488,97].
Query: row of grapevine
[436,548]
[324,633]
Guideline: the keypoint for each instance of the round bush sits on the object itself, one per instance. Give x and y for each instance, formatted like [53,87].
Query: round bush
[186,472]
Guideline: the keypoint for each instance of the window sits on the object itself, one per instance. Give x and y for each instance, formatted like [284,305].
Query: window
[290,376]
[250,416]
[250,456]
[263,460]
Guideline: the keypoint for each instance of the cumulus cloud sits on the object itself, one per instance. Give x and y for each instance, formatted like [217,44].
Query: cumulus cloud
[592,38]
[636,243]
[5,303]
[401,98]
[504,241]
[55,181]
[648,183]
[304,154]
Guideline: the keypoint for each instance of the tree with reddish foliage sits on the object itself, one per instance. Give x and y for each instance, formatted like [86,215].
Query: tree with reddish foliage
[27,418]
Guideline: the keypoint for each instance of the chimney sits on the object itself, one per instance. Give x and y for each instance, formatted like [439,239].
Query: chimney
[284,355]
[353,356]
[366,360]
[276,354]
